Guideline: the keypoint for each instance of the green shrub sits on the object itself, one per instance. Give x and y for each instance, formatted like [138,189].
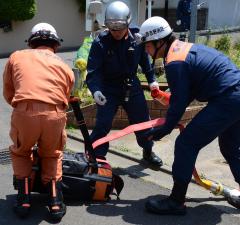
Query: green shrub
[223,43]
[17,9]
[237,45]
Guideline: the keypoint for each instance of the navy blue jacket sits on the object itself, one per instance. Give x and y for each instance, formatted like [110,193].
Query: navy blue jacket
[195,71]
[110,62]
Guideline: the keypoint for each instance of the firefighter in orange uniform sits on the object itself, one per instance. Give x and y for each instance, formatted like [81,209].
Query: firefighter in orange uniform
[37,84]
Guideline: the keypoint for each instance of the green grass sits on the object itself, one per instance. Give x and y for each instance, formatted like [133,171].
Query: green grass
[225,44]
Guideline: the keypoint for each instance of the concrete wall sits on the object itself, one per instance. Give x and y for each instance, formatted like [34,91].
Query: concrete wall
[62,14]
[223,13]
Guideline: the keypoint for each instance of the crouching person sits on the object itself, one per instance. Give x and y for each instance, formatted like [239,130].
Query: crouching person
[37,84]
[194,71]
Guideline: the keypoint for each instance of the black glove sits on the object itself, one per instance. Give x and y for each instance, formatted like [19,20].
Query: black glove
[155,134]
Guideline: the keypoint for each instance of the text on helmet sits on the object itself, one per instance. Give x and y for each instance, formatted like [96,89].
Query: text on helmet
[154,31]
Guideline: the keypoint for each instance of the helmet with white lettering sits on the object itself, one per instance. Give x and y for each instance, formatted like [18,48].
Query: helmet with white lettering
[43,32]
[153,29]
[117,16]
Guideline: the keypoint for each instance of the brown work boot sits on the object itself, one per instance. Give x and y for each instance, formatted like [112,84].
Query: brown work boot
[57,208]
[22,205]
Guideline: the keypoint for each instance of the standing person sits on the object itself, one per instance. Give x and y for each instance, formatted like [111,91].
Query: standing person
[183,14]
[194,71]
[112,66]
[37,84]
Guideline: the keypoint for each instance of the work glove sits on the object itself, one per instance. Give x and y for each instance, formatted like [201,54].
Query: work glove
[99,98]
[155,133]
[154,85]
[178,22]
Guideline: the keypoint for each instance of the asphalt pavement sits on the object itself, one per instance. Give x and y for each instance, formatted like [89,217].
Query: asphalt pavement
[128,210]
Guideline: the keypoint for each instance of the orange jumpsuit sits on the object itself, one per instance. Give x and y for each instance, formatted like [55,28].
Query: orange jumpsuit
[37,83]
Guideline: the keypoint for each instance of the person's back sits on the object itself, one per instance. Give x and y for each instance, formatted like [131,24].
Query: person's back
[39,74]
[37,84]
[210,72]
[194,71]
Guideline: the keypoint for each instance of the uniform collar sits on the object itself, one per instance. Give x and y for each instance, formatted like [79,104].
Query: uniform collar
[45,47]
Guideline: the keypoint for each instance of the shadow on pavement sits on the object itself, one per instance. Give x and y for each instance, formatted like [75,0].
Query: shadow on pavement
[130,211]
[39,211]
[133,212]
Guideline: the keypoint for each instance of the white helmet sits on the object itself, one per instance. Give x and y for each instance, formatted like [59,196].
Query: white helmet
[153,29]
[43,31]
[117,16]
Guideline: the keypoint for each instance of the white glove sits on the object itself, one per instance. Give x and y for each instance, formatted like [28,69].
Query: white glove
[178,22]
[99,98]
[154,85]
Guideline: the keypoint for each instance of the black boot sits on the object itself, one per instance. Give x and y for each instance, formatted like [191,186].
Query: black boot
[22,205]
[57,208]
[234,202]
[172,205]
[152,158]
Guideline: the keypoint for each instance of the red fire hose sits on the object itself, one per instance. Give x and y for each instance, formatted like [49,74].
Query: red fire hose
[231,195]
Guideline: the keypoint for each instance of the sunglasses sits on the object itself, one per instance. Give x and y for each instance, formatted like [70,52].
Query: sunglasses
[116,25]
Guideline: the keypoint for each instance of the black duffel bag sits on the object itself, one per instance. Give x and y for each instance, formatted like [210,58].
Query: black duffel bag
[85,177]
[81,179]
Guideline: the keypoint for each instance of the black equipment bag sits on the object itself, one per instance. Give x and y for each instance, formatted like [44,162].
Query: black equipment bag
[84,176]
[80,181]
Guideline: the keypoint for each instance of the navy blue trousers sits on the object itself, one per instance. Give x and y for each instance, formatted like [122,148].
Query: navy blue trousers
[137,111]
[220,118]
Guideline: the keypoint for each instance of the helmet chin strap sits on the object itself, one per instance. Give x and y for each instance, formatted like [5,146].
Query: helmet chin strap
[155,53]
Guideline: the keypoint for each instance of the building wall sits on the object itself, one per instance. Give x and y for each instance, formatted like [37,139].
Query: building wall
[223,13]
[63,15]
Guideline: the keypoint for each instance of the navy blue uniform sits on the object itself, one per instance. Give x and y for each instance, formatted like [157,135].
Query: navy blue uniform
[184,14]
[198,72]
[110,64]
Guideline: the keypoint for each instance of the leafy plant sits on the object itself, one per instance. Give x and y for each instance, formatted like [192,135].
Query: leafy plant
[237,45]
[85,95]
[223,43]
[17,10]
